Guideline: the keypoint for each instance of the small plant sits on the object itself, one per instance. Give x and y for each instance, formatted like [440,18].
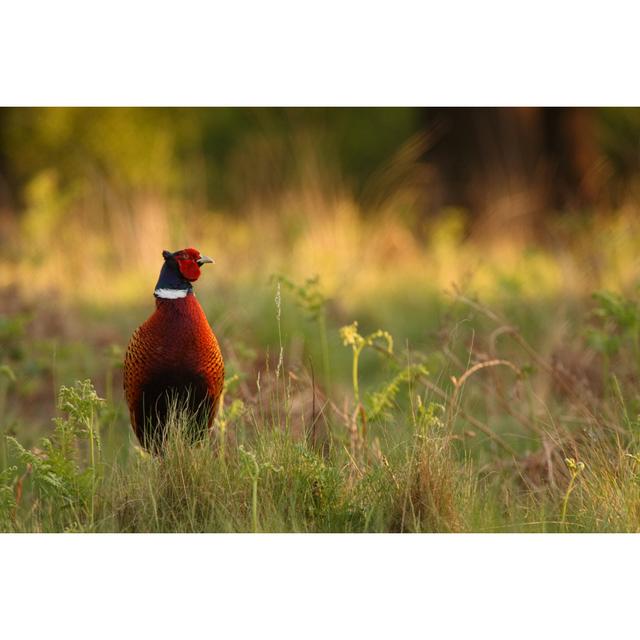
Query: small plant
[575,469]
[253,468]
[428,417]
[55,468]
[379,340]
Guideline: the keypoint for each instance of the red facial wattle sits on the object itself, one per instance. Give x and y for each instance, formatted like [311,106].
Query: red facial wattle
[189,269]
[187,260]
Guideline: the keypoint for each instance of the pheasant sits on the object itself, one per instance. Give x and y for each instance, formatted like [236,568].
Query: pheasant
[174,355]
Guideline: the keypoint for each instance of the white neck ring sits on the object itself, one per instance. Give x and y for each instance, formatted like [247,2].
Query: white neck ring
[171,294]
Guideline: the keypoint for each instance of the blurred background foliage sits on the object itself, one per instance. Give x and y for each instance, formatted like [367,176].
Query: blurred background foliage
[386,210]
[98,191]
[498,167]
[215,155]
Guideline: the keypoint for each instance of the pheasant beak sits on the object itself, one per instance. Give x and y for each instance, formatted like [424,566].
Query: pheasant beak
[205,260]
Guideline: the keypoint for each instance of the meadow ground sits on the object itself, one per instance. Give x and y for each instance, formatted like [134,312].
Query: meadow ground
[485,387]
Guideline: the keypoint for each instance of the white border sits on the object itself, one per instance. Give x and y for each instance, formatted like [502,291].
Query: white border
[319,586]
[335,52]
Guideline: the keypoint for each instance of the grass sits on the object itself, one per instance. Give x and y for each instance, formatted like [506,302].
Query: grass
[482,388]
[480,451]
[274,482]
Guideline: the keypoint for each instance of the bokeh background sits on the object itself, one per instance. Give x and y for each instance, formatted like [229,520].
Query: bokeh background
[382,215]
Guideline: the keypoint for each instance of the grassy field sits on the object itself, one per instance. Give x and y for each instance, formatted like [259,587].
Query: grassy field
[485,387]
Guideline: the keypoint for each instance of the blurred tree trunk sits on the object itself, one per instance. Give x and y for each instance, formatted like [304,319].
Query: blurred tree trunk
[574,157]
[512,167]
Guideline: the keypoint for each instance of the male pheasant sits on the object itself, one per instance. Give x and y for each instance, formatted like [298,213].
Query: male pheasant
[174,355]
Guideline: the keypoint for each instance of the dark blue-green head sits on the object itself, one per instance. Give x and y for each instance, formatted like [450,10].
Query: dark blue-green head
[179,270]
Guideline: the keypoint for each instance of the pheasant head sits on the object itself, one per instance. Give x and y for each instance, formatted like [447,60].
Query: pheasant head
[179,270]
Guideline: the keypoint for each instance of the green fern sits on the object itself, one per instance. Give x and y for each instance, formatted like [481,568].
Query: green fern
[383,400]
[56,470]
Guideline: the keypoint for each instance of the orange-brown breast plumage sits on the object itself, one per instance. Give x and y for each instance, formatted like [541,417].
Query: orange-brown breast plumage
[174,351]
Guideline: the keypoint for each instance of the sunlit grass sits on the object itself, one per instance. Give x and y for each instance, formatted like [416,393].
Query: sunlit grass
[356,253]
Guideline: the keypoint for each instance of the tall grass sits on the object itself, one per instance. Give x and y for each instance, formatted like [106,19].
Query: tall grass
[273,482]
